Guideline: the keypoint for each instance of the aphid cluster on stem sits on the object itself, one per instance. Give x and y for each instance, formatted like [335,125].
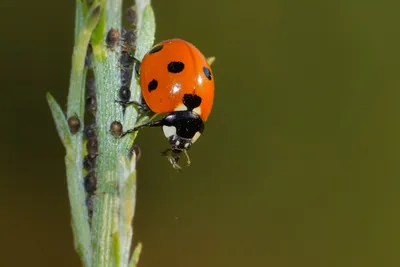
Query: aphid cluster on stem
[90,135]
[89,163]
[126,62]
[128,38]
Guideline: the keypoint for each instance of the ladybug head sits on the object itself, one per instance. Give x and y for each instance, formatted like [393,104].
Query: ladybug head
[182,128]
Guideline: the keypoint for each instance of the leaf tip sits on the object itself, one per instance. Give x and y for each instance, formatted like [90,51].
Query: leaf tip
[136,254]
[210,60]
[96,11]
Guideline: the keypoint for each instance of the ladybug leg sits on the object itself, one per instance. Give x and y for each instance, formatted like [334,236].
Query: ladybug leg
[188,161]
[149,124]
[127,59]
[174,156]
[125,103]
[143,107]
[137,65]
[132,57]
[137,69]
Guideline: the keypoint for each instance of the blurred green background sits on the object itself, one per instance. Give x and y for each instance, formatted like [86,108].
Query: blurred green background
[298,165]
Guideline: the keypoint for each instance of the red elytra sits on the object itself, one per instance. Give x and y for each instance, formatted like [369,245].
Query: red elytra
[172,69]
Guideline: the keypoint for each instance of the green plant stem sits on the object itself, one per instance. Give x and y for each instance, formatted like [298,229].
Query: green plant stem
[107,78]
[116,185]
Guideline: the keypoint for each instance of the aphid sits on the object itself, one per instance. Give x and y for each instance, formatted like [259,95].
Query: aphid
[126,59]
[126,76]
[90,206]
[92,147]
[89,163]
[90,130]
[90,183]
[128,37]
[91,100]
[91,105]
[74,124]
[130,16]
[112,38]
[116,128]
[124,93]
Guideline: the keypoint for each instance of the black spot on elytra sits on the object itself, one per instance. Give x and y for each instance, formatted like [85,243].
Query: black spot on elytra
[207,72]
[175,66]
[152,85]
[191,101]
[156,49]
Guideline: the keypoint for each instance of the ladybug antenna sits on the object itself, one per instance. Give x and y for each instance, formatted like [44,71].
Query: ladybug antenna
[149,124]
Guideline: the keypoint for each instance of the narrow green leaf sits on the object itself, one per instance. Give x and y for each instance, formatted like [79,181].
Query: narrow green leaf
[60,121]
[93,17]
[145,39]
[76,88]
[127,199]
[139,6]
[135,256]
[98,32]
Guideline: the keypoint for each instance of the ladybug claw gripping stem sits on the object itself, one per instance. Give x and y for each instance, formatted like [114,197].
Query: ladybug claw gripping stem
[142,108]
[149,124]
[125,103]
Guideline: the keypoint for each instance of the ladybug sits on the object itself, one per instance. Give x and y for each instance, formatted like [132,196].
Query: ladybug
[176,79]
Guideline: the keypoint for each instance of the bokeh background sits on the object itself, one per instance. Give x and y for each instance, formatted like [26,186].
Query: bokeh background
[298,165]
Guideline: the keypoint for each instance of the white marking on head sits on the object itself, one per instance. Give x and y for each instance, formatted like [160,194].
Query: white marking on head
[181,107]
[187,145]
[195,137]
[177,143]
[169,131]
[197,110]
